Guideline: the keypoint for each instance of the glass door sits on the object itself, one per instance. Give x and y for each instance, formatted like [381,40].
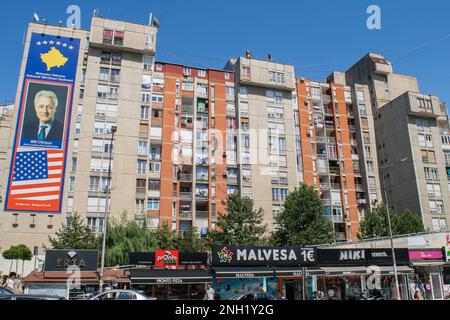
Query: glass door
[436,286]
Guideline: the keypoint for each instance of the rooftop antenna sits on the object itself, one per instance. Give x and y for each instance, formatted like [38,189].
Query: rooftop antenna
[36,18]
[60,26]
[150,21]
[45,26]
[95,12]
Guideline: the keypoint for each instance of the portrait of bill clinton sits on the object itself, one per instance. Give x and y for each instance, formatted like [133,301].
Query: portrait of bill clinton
[43,123]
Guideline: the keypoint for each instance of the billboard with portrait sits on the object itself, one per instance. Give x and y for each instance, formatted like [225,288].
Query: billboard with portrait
[36,177]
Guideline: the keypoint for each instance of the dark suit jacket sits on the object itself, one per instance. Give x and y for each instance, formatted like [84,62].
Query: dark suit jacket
[31,131]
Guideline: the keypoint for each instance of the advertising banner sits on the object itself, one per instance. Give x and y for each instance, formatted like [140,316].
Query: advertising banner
[361,257]
[167,258]
[36,177]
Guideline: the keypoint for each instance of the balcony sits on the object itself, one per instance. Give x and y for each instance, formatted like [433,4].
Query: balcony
[185,215]
[359,188]
[202,177]
[324,186]
[141,190]
[202,214]
[362,201]
[340,236]
[334,171]
[185,177]
[185,195]
[247,179]
[351,128]
[335,186]
[353,142]
[323,170]
[321,139]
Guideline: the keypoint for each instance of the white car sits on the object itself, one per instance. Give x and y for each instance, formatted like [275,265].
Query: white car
[121,295]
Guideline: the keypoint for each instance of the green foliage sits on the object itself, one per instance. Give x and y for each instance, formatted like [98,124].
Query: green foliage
[302,221]
[407,223]
[375,223]
[20,252]
[241,226]
[74,236]
[191,242]
[165,237]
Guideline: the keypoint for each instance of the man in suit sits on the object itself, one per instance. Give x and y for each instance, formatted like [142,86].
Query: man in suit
[45,127]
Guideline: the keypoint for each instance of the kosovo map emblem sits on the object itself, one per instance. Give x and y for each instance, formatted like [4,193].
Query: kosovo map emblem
[53,58]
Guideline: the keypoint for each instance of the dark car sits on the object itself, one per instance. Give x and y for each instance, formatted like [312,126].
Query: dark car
[24,297]
[259,296]
[6,292]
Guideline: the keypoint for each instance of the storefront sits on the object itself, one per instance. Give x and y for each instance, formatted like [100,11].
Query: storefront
[429,273]
[278,271]
[171,275]
[347,274]
[71,274]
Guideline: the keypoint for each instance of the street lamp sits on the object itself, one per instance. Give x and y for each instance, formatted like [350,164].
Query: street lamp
[394,260]
[105,222]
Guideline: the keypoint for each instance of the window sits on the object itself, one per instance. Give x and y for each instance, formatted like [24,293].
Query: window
[230,90]
[423,125]
[118,38]
[95,224]
[201,73]
[153,204]
[100,165]
[157,98]
[107,36]
[108,110]
[244,108]
[428,156]
[74,164]
[144,113]
[72,184]
[142,167]
[439,224]
[96,204]
[426,140]
[101,128]
[277,77]
[115,75]
[445,139]
[246,71]
[372,183]
[154,185]
[370,167]
[186,72]
[155,167]
[227,76]
[243,91]
[104,74]
[431,173]
[315,92]
[187,86]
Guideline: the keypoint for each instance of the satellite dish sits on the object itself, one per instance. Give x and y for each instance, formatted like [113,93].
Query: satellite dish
[35,17]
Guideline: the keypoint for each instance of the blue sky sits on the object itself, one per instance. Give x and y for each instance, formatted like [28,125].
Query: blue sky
[315,36]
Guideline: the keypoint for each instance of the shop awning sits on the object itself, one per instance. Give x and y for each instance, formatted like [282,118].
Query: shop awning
[288,272]
[243,272]
[342,271]
[147,276]
[60,277]
[427,263]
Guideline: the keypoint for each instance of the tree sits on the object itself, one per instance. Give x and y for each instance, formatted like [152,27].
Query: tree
[241,225]
[302,221]
[74,236]
[375,223]
[408,223]
[191,242]
[124,237]
[20,252]
[165,237]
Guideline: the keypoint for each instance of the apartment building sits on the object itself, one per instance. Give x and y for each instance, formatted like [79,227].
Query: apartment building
[115,61]
[414,152]
[267,154]
[403,117]
[6,123]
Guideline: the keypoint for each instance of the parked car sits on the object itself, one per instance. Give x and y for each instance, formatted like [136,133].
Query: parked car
[24,297]
[121,295]
[6,292]
[251,296]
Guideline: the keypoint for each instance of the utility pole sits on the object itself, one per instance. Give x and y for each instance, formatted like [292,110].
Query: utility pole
[108,194]
[391,239]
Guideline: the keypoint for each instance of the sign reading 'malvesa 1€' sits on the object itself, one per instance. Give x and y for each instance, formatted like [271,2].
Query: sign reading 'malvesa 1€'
[38,158]
[263,256]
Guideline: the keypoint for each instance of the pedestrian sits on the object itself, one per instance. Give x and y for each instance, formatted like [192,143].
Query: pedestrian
[210,293]
[4,278]
[11,282]
[418,295]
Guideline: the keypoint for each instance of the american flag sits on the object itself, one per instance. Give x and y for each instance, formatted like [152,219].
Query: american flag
[38,175]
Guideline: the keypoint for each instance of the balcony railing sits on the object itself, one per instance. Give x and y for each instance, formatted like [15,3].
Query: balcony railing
[336,186]
[359,187]
[185,215]
[185,177]
[186,195]
[202,214]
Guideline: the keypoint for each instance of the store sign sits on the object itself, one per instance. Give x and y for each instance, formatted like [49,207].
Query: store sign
[185,258]
[360,256]
[263,256]
[61,260]
[433,254]
[166,258]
